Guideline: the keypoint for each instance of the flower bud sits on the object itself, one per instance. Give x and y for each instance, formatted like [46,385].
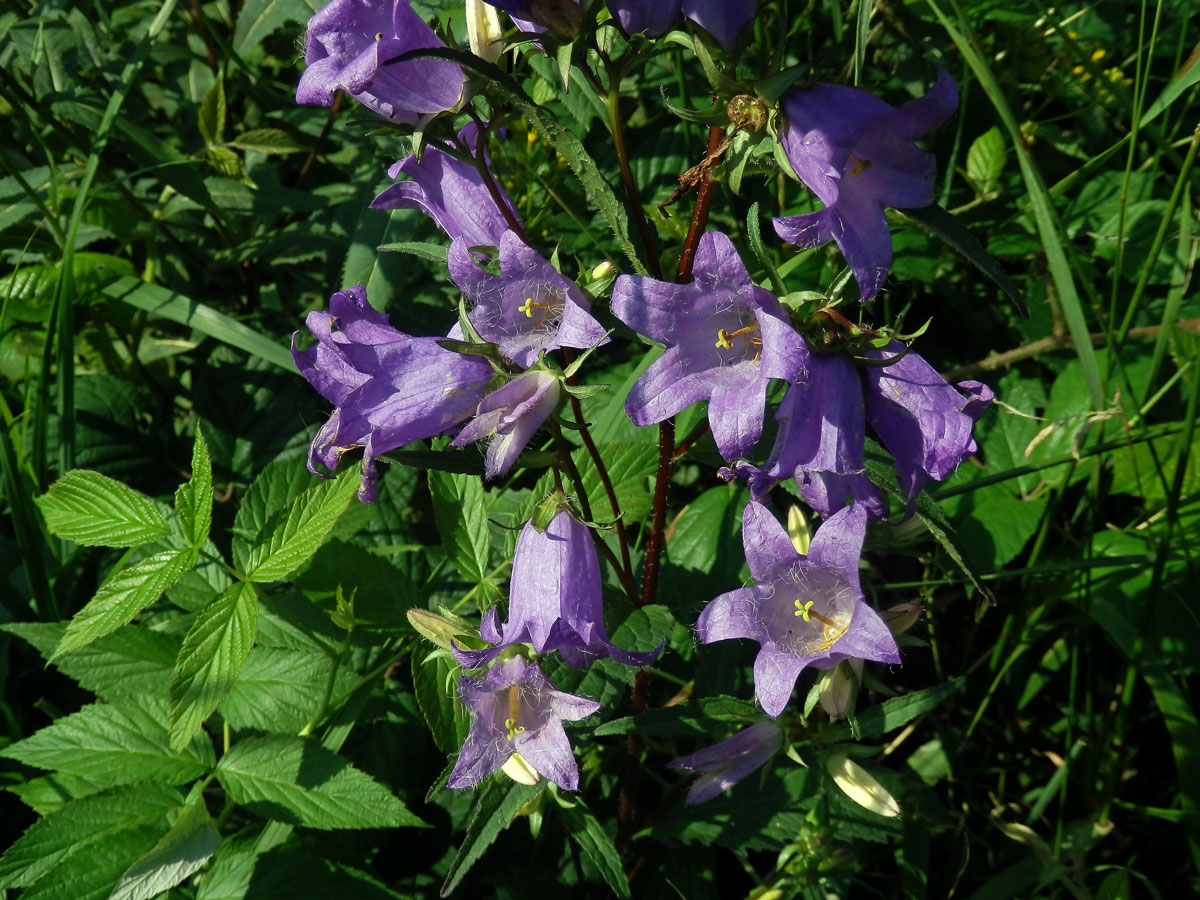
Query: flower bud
[858,784]
[798,530]
[519,771]
[833,690]
[902,616]
[483,30]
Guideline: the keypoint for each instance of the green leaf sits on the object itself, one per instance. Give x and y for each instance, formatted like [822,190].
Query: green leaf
[707,716]
[943,225]
[91,873]
[129,663]
[181,851]
[430,252]
[213,654]
[124,596]
[280,690]
[46,794]
[273,488]
[116,744]
[193,500]
[462,522]
[212,113]
[267,140]
[495,808]
[52,840]
[985,160]
[166,304]
[894,713]
[259,19]
[296,780]
[240,871]
[596,844]
[309,519]
[630,466]
[96,511]
[435,684]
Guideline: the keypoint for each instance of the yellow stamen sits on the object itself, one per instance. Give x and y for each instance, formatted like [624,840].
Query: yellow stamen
[527,307]
[804,610]
[858,166]
[379,35]
[723,341]
[514,708]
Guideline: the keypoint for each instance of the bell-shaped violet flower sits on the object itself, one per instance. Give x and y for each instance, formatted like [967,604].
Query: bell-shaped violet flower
[726,338]
[351,45]
[508,417]
[529,307]
[554,600]
[723,19]
[925,422]
[515,709]
[802,610]
[724,764]
[451,192]
[856,153]
[389,389]
[820,440]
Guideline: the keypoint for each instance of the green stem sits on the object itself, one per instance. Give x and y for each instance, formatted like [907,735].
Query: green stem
[613,105]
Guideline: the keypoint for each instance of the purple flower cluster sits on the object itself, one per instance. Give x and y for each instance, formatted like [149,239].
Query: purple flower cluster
[727,343]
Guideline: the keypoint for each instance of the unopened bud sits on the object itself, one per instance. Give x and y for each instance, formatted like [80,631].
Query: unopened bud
[520,771]
[902,616]
[605,270]
[858,784]
[747,112]
[798,530]
[483,31]
[442,630]
[833,690]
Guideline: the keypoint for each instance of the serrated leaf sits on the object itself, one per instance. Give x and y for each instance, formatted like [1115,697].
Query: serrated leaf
[435,686]
[280,690]
[893,713]
[985,160]
[97,511]
[310,518]
[431,252]
[214,651]
[495,808]
[46,794]
[462,522]
[267,140]
[181,851]
[212,113]
[273,488]
[194,500]
[944,226]
[124,596]
[91,873]
[114,744]
[296,780]
[586,831]
[259,19]
[131,662]
[53,839]
[706,716]
[244,872]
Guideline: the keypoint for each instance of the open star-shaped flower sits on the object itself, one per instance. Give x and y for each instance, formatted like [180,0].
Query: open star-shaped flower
[554,600]
[725,339]
[350,47]
[802,610]
[724,764]
[856,153]
[389,389]
[529,307]
[515,709]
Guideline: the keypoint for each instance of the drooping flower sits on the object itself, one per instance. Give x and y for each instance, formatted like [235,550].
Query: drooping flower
[389,389]
[856,153]
[820,439]
[925,422]
[554,600]
[726,338]
[509,416]
[802,610]
[724,764]
[515,710]
[351,45]
[529,307]
[451,192]
[723,19]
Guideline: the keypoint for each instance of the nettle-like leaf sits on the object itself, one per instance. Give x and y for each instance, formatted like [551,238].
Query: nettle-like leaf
[462,522]
[97,511]
[115,744]
[213,653]
[124,596]
[296,780]
[309,519]
[181,851]
[53,840]
[495,808]
[596,843]
[194,499]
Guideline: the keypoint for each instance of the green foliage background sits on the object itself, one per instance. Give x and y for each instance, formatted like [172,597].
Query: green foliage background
[167,217]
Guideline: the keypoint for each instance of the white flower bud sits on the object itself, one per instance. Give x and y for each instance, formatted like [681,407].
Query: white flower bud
[520,771]
[857,784]
[483,30]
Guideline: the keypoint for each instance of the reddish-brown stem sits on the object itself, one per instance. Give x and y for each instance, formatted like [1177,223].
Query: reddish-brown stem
[613,104]
[312,155]
[490,182]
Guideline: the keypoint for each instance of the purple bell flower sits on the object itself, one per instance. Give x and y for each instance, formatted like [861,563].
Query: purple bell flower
[723,19]
[515,709]
[350,46]
[529,307]
[554,600]
[802,610]
[726,338]
[508,418]
[449,191]
[389,389]
[925,422]
[724,764]
[856,153]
